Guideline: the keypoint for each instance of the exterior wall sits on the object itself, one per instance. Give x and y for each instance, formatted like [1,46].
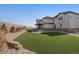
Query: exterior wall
[64,22]
[47,23]
[47,20]
[73,20]
[48,26]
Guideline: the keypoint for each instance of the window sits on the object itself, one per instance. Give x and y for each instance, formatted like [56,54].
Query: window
[54,26]
[61,18]
[60,25]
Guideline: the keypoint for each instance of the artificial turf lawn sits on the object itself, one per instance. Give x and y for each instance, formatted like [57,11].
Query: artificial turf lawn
[52,42]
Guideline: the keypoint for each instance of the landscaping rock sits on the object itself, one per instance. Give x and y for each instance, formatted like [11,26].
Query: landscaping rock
[9,46]
[3,44]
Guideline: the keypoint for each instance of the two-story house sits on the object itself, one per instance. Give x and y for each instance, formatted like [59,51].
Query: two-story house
[64,21]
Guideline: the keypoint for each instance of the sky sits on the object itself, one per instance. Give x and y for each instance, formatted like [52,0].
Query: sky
[26,14]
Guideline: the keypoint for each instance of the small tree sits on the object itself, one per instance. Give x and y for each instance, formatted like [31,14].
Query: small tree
[29,30]
[24,27]
[4,28]
[12,29]
[17,29]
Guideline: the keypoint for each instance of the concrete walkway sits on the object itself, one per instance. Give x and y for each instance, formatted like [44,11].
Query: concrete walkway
[74,34]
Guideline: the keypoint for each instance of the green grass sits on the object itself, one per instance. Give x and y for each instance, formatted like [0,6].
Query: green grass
[53,42]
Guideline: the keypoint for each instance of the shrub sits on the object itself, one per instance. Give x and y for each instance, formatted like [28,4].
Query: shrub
[4,28]
[17,29]
[29,30]
[12,29]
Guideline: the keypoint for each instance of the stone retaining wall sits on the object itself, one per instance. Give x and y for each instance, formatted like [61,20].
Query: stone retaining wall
[3,44]
[10,46]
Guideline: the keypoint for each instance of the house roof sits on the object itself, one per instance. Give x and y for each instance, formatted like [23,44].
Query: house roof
[48,17]
[66,13]
[70,12]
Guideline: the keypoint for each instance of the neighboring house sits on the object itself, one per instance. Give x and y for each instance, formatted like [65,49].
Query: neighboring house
[64,21]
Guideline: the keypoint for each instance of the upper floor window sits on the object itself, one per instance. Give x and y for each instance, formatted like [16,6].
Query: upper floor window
[60,18]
